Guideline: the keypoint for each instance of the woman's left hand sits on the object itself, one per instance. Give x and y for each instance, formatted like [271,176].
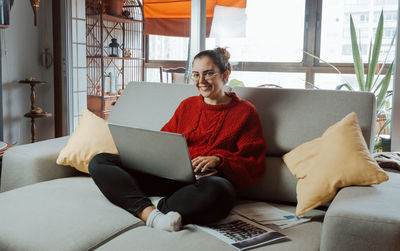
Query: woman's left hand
[202,163]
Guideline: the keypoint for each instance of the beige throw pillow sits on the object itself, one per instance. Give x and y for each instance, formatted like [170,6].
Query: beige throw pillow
[91,137]
[338,159]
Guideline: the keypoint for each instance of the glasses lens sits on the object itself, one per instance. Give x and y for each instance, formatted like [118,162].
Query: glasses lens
[207,76]
[210,75]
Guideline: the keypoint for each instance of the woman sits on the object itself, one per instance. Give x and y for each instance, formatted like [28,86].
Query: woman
[223,132]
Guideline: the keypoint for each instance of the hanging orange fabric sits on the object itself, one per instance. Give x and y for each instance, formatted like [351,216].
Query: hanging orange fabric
[172,17]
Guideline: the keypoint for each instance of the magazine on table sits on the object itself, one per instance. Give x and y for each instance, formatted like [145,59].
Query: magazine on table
[266,214]
[243,233]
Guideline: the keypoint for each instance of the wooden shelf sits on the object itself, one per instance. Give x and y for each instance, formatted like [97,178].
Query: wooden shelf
[117,19]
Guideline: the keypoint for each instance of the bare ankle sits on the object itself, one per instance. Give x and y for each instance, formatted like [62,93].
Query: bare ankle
[145,213]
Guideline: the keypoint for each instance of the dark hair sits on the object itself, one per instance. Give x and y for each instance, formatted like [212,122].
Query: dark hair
[220,57]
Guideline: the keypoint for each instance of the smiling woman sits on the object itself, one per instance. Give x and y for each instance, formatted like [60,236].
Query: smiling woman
[223,134]
[210,72]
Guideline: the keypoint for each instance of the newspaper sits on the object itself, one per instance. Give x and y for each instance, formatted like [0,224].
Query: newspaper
[243,233]
[265,214]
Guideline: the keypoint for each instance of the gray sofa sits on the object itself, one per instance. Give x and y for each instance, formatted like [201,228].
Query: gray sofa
[44,206]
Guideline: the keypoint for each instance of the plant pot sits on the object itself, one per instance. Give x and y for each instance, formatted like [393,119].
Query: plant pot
[114,7]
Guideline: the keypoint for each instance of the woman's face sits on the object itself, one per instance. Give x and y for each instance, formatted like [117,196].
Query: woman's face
[207,78]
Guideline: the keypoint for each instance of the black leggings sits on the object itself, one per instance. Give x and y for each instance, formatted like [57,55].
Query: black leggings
[207,200]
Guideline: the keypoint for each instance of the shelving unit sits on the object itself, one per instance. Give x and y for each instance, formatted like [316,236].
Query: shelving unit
[108,75]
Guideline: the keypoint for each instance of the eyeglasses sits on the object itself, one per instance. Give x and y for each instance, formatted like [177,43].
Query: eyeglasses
[209,75]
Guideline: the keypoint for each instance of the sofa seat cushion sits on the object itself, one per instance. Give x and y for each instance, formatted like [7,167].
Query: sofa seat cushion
[305,236]
[364,218]
[62,214]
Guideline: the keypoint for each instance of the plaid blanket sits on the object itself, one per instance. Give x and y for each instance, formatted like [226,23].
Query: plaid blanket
[388,159]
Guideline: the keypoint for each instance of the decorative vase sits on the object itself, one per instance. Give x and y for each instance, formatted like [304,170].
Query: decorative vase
[114,7]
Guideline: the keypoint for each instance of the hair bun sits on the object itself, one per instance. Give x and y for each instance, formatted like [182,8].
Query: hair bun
[224,52]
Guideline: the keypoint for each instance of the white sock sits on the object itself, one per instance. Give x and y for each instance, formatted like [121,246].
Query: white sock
[154,200]
[172,221]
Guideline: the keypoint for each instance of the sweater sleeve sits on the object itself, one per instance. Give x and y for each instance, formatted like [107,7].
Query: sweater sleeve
[246,166]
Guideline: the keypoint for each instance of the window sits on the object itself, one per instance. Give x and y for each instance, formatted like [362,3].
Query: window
[335,31]
[285,80]
[264,40]
[168,48]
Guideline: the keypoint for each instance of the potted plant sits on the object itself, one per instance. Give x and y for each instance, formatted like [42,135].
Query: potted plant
[371,80]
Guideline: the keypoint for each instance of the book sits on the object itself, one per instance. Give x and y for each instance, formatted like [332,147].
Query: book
[242,233]
[266,214]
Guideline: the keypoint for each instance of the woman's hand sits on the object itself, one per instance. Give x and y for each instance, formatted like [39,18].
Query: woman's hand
[202,163]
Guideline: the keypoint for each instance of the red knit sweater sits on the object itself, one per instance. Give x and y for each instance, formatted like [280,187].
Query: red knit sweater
[230,131]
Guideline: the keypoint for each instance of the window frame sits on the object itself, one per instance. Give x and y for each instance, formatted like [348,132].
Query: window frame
[308,65]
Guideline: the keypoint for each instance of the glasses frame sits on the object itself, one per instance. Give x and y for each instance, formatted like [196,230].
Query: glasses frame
[207,76]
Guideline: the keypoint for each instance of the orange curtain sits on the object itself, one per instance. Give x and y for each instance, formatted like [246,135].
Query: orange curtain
[172,17]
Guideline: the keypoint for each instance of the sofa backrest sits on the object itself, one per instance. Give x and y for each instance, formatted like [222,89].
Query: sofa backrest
[289,118]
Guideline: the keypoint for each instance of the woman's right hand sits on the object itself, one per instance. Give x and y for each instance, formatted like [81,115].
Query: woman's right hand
[202,163]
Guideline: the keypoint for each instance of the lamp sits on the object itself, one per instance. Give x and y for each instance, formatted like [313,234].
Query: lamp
[114,48]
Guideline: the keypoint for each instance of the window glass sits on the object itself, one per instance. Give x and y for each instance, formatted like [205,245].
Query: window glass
[335,28]
[331,80]
[282,79]
[273,31]
[168,48]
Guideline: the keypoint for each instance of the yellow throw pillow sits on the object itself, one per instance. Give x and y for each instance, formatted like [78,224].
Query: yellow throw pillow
[338,159]
[91,137]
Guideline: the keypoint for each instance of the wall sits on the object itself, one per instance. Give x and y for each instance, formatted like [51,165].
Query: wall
[22,43]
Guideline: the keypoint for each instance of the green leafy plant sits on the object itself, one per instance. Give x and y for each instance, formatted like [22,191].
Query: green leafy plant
[372,79]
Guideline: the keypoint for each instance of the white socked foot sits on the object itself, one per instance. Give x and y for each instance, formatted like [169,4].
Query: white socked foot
[154,200]
[172,221]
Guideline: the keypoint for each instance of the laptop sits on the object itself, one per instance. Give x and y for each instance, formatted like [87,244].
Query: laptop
[158,153]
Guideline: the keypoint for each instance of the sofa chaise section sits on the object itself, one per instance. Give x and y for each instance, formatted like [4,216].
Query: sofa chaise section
[301,237]
[365,217]
[62,214]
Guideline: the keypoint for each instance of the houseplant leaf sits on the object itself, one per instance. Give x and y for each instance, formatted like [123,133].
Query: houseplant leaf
[335,68]
[375,53]
[339,87]
[384,84]
[387,122]
[384,62]
[358,66]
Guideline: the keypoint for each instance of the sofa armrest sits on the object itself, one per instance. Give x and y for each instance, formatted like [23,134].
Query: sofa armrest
[364,218]
[32,163]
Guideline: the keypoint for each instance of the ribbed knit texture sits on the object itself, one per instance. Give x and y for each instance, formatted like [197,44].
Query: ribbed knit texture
[231,131]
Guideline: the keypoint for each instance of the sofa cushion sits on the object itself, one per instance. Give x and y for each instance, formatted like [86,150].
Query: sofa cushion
[302,237]
[149,105]
[62,214]
[31,163]
[277,184]
[364,218]
[291,117]
[91,137]
[337,159]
